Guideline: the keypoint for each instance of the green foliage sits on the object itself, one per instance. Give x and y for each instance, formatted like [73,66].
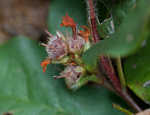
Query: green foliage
[25,90]
[58,8]
[137,72]
[120,10]
[106,28]
[126,40]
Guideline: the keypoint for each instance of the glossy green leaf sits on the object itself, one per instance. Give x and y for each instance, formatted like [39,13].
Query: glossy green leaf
[106,28]
[125,41]
[25,90]
[76,9]
[137,72]
[117,9]
[120,11]
[116,12]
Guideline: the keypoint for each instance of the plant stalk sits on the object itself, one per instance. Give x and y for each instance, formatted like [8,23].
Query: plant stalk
[120,73]
[92,21]
[130,101]
[106,62]
[127,112]
[109,70]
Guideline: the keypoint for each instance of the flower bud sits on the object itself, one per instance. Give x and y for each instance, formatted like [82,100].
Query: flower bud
[76,45]
[67,50]
[72,74]
[56,48]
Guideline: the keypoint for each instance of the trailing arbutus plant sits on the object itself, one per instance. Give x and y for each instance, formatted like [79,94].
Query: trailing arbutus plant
[90,54]
[95,61]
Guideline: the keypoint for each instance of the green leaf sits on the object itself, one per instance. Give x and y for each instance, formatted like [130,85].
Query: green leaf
[117,9]
[25,90]
[137,72]
[120,10]
[58,8]
[106,28]
[84,80]
[125,41]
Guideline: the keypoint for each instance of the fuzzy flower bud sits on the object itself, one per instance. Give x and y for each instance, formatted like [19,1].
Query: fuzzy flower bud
[67,50]
[76,45]
[71,74]
[56,48]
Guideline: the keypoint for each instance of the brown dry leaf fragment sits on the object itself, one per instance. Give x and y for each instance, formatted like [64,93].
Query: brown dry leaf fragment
[7,113]
[22,17]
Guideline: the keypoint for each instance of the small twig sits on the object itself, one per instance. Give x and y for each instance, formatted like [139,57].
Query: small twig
[110,72]
[120,73]
[127,112]
[130,101]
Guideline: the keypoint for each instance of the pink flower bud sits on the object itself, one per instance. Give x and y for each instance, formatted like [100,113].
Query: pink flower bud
[76,45]
[56,47]
[71,74]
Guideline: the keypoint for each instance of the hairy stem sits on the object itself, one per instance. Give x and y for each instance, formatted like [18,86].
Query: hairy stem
[92,21]
[106,62]
[109,70]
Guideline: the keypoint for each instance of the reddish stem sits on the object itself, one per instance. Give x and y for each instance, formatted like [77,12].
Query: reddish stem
[109,70]
[106,62]
[93,23]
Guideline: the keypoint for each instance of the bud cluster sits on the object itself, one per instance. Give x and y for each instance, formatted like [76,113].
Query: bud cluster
[67,50]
